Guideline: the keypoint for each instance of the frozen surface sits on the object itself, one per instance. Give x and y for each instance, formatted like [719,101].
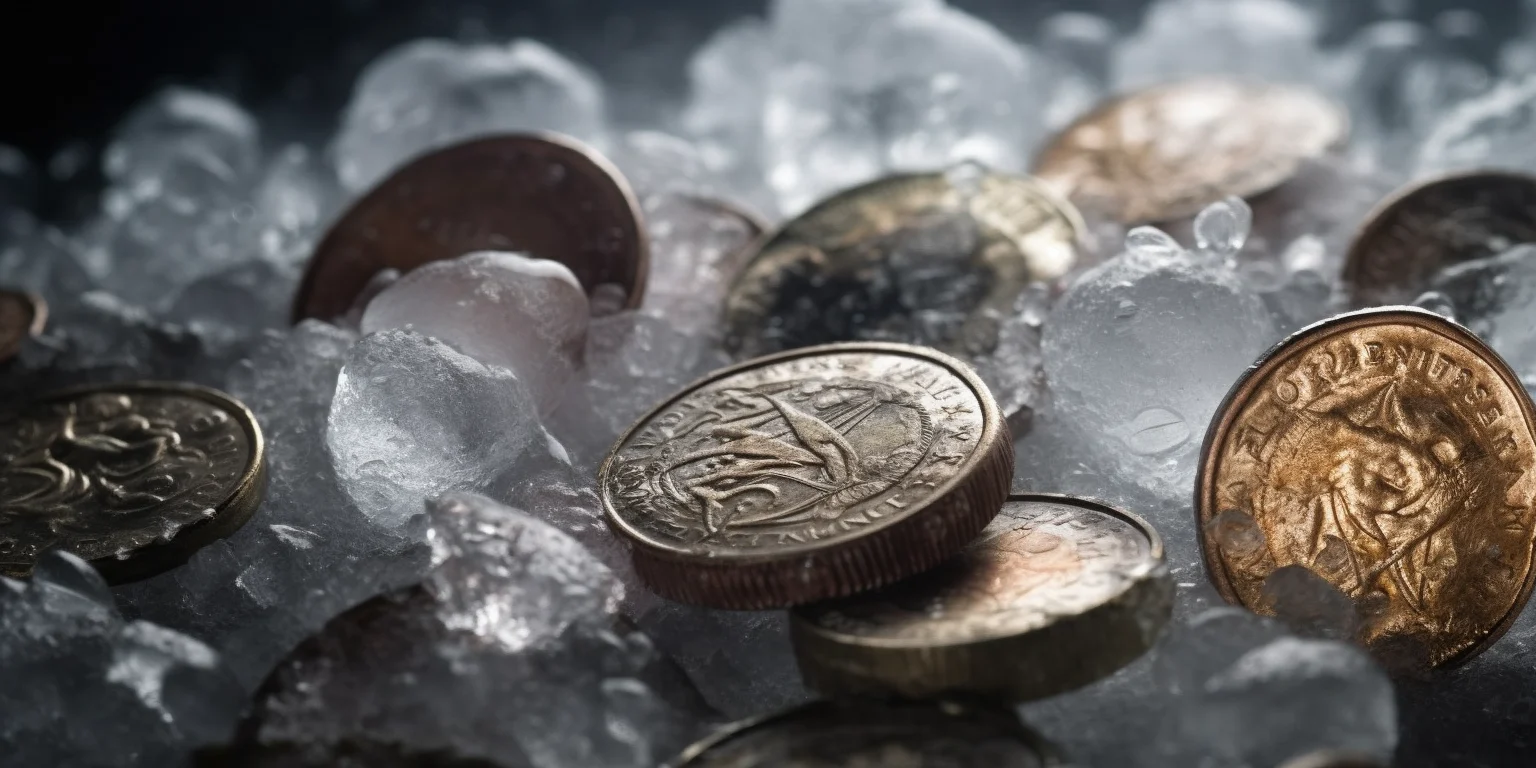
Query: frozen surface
[1496,297]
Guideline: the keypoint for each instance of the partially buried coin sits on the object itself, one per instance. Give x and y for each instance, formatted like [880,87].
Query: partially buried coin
[937,259]
[22,315]
[132,477]
[1435,224]
[1166,152]
[1390,452]
[829,734]
[1057,592]
[808,475]
[543,194]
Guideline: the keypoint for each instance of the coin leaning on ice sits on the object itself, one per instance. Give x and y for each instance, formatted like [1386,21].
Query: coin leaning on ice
[807,475]
[132,477]
[1057,592]
[22,315]
[1166,152]
[1390,452]
[866,734]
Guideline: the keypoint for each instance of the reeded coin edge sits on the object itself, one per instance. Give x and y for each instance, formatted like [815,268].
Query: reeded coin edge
[1242,391]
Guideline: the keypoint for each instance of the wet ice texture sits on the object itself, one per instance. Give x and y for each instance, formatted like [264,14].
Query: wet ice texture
[1491,130]
[523,314]
[412,419]
[85,687]
[430,93]
[509,651]
[1496,298]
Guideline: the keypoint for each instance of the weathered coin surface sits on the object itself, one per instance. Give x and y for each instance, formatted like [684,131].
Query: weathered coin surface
[1168,151]
[808,475]
[829,734]
[1434,224]
[21,315]
[936,259]
[132,477]
[541,194]
[1390,452]
[1055,593]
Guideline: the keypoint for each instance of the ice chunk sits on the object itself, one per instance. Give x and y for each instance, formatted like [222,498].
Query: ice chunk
[41,258]
[1496,297]
[1492,129]
[412,419]
[697,247]
[1259,39]
[725,111]
[428,93]
[1014,369]
[237,302]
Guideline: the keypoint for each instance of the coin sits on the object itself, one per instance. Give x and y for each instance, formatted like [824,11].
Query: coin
[132,477]
[1057,592]
[936,259]
[1390,452]
[830,734]
[21,315]
[808,475]
[1434,224]
[1168,151]
[544,194]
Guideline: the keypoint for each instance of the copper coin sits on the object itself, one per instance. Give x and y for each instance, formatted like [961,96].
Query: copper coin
[1390,452]
[1168,151]
[542,194]
[132,477]
[1435,224]
[1057,592]
[22,315]
[866,734]
[808,475]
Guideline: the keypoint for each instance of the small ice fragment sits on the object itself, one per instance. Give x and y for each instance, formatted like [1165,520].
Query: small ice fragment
[1151,243]
[1222,227]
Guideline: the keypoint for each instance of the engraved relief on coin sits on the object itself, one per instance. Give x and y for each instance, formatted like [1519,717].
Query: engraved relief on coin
[793,454]
[1166,152]
[21,315]
[1436,224]
[1391,453]
[106,473]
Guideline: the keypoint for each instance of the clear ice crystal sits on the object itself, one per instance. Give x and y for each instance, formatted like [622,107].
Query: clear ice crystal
[1223,227]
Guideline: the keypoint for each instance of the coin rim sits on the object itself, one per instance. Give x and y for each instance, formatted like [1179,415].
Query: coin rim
[1242,391]
[34,327]
[581,150]
[229,516]
[1376,220]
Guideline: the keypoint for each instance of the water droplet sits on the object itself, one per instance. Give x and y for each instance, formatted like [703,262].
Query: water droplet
[1153,431]
[1152,243]
[1437,303]
[1222,227]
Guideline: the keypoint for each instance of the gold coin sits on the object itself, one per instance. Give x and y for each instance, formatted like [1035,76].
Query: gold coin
[22,315]
[935,259]
[866,734]
[1390,452]
[1168,151]
[1057,592]
[808,475]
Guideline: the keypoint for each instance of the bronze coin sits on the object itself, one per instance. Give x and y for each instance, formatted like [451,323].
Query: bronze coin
[1434,224]
[1057,592]
[1166,152]
[866,734]
[542,194]
[808,475]
[132,477]
[1390,452]
[22,315]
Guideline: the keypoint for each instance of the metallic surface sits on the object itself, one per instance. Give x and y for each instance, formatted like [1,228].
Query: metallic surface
[542,194]
[22,315]
[829,275]
[1434,224]
[827,734]
[808,475]
[132,477]
[1166,152]
[1055,593]
[1389,451]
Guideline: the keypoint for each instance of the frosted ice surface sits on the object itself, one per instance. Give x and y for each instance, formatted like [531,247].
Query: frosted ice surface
[1496,297]
[238,301]
[182,131]
[507,310]
[41,258]
[696,249]
[1013,370]
[725,110]
[412,419]
[428,93]
[85,687]
[1260,39]
[1493,129]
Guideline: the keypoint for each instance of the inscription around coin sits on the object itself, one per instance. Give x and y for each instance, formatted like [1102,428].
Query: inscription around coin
[1390,452]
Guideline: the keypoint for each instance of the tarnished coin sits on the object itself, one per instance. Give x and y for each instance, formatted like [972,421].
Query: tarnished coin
[1390,452]
[21,315]
[132,477]
[936,259]
[1168,151]
[543,194]
[808,475]
[1434,224]
[829,734]
[1057,592]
